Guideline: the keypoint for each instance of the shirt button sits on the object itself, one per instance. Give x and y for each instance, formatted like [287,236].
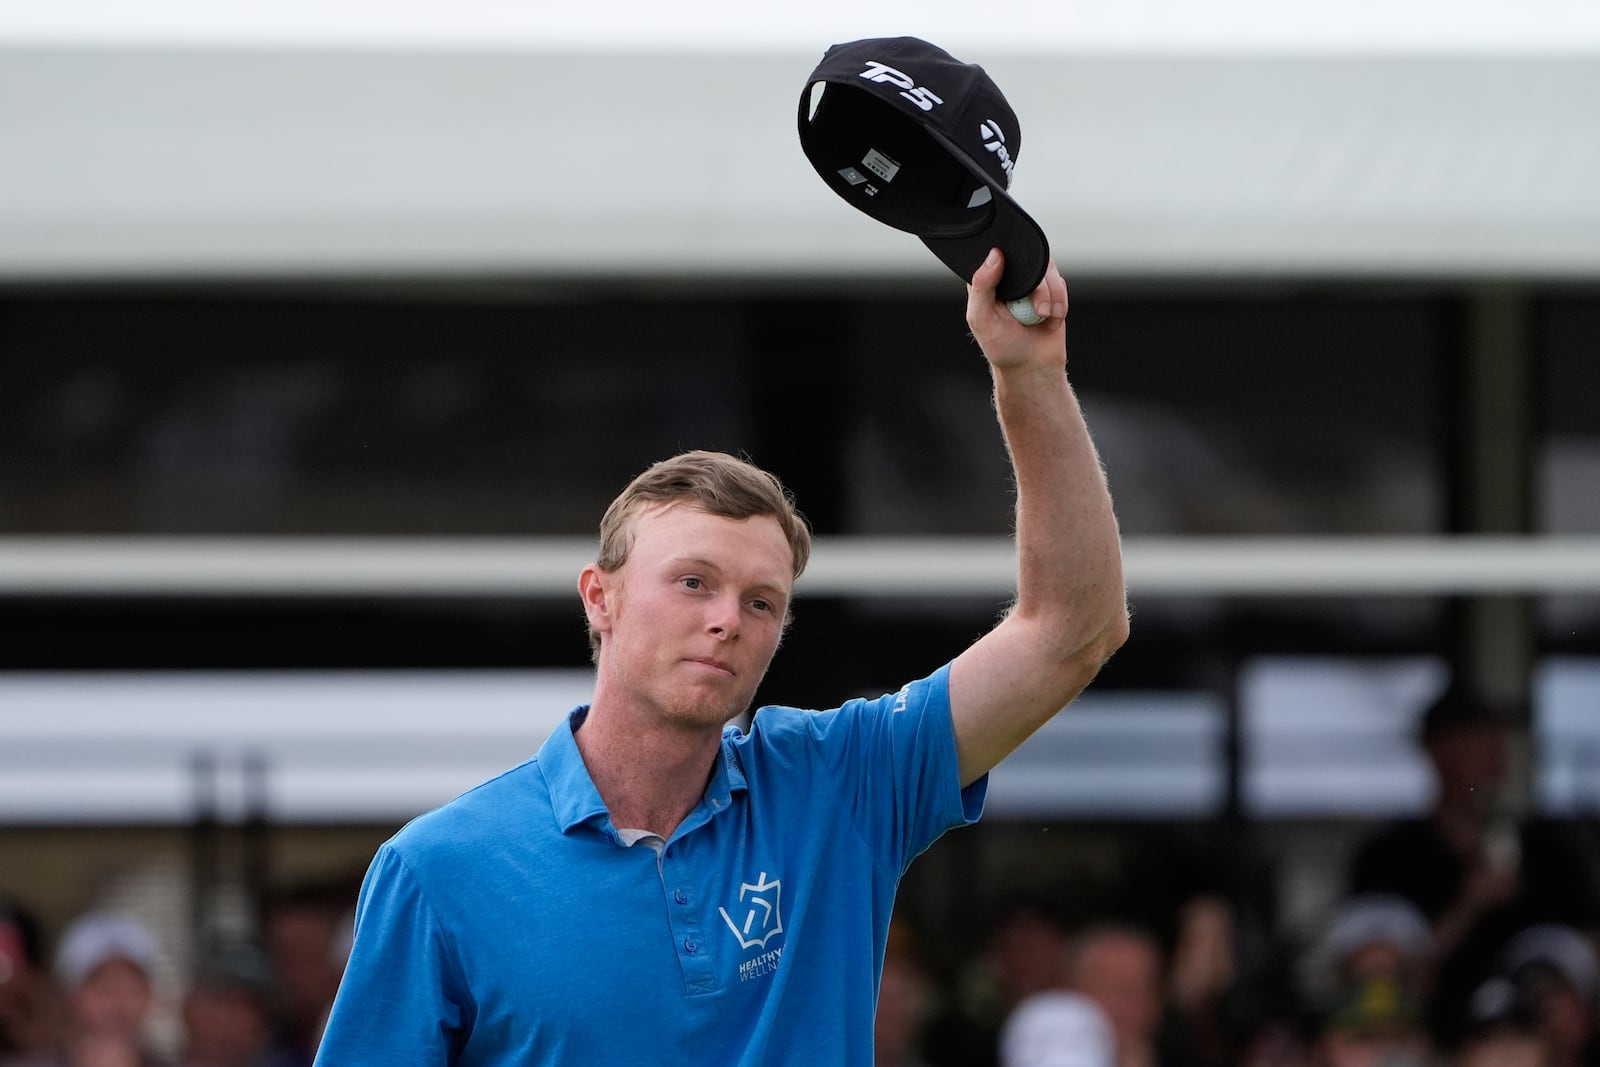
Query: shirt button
[690,945]
[681,897]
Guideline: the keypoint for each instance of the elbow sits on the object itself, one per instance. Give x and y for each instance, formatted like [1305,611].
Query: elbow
[1079,651]
[1117,633]
[1098,650]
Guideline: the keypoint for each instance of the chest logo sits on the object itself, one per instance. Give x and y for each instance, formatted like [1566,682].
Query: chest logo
[759,918]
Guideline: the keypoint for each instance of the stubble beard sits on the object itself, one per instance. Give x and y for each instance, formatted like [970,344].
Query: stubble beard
[700,709]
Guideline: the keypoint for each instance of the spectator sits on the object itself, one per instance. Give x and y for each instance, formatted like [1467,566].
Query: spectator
[1120,970]
[307,936]
[1225,1009]
[25,1002]
[1503,1030]
[1370,977]
[1478,872]
[1205,969]
[1460,859]
[225,1013]
[1375,936]
[1021,957]
[905,996]
[1555,970]
[105,967]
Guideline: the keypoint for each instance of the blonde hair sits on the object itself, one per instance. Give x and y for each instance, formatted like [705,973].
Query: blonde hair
[713,482]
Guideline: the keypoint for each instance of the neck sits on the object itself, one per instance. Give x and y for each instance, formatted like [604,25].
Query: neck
[649,775]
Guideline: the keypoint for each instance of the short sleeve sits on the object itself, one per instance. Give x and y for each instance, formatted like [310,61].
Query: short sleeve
[401,999]
[892,761]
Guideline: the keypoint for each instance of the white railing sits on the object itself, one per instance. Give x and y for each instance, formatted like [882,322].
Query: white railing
[841,566]
[349,745]
[1325,736]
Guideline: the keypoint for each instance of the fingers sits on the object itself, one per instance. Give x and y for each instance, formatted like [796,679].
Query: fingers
[1049,298]
[1057,287]
[980,291]
[987,276]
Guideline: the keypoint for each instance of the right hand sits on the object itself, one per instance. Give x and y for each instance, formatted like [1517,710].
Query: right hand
[1007,344]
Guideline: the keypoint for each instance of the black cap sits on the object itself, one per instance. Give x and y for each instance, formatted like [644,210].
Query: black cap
[927,144]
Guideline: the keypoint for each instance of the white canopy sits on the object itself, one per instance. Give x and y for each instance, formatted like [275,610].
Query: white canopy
[1401,139]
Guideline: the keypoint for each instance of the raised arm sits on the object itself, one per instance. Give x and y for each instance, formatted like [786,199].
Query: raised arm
[1071,612]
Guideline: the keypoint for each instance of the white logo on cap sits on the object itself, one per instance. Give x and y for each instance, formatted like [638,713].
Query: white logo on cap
[921,96]
[995,141]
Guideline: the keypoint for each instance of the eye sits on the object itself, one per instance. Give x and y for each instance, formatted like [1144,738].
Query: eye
[689,581]
[761,605]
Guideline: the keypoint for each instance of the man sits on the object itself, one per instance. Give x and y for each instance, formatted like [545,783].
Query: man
[1457,862]
[305,932]
[1121,970]
[106,965]
[653,888]
[1478,870]
[1104,1009]
[225,1012]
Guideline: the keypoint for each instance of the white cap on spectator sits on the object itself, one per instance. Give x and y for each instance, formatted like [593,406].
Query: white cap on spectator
[1057,1029]
[1377,918]
[99,937]
[1560,948]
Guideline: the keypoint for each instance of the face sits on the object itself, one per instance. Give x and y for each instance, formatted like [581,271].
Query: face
[115,998]
[689,624]
[1505,1050]
[301,944]
[1472,758]
[1027,952]
[223,1028]
[1346,1050]
[1123,975]
[902,999]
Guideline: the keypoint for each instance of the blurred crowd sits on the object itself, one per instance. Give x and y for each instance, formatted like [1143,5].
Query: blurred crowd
[1458,938]
[92,999]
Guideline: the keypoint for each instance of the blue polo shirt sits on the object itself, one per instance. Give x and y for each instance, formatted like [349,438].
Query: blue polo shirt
[515,925]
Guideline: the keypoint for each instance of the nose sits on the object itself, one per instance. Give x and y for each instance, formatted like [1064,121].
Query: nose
[724,617]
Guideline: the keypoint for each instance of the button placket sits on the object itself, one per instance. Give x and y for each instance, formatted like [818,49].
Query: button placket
[689,940]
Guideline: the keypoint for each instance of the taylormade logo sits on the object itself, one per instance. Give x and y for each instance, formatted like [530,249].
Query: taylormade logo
[922,96]
[995,141]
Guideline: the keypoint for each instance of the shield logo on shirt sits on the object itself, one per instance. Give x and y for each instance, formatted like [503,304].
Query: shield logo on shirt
[756,917]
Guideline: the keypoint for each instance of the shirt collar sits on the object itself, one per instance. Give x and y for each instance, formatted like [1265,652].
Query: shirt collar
[728,778]
[575,800]
[573,797]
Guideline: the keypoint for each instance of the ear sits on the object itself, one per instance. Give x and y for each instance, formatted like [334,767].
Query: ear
[594,587]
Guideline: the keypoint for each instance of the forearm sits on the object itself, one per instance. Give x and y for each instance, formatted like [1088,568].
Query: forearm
[1069,555]
[1070,614]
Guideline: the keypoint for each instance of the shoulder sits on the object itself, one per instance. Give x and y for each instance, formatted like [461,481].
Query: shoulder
[486,811]
[916,697]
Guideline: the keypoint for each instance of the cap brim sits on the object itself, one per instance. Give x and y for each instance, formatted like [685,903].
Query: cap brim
[1009,229]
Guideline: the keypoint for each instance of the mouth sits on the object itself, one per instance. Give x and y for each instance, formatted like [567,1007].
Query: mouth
[714,665]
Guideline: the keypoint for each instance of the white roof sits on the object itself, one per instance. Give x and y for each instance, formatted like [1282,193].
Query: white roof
[1397,139]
